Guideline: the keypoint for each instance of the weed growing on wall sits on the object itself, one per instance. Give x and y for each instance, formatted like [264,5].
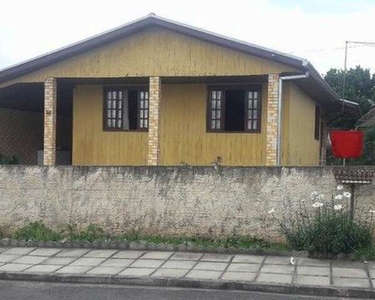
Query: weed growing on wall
[324,226]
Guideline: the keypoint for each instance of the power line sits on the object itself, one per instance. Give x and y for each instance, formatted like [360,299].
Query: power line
[335,48]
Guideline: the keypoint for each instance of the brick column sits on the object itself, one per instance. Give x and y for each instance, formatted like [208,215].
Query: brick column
[324,141]
[50,98]
[272,119]
[154,122]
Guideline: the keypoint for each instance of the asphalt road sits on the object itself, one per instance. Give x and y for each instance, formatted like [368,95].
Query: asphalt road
[20,290]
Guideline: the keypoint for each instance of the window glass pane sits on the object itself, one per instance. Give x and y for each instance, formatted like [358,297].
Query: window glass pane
[255,114]
[213,115]
[113,122]
[109,104]
[109,96]
[218,95]
[146,113]
[250,114]
[142,95]
[141,124]
[119,114]
[255,125]
[146,103]
[141,114]
[255,103]
[120,104]
[114,104]
[218,114]
[141,103]
[249,125]
[113,114]
[120,94]
[218,104]
[256,95]
[108,113]
[118,123]
[213,105]
[250,95]
[114,95]
[213,124]
[145,123]
[146,95]
[250,104]
[109,123]
[217,124]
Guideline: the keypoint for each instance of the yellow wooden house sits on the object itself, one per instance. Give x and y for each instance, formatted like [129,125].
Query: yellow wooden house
[157,92]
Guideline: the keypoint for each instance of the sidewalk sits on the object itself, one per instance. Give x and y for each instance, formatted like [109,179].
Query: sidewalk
[244,272]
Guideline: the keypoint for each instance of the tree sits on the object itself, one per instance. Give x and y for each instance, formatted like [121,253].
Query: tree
[360,88]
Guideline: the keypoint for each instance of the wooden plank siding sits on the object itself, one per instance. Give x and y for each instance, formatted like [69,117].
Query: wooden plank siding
[184,137]
[92,145]
[156,52]
[299,145]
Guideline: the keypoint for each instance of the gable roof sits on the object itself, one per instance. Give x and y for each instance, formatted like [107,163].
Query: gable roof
[152,20]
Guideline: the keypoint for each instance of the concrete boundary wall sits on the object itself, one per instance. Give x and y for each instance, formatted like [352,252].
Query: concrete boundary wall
[163,200]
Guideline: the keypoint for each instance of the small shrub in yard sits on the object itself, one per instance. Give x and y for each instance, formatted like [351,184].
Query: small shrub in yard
[90,234]
[324,227]
[37,231]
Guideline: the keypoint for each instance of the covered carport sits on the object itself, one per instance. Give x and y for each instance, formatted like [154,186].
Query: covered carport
[22,122]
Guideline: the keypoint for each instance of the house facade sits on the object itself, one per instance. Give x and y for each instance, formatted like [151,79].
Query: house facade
[157,92]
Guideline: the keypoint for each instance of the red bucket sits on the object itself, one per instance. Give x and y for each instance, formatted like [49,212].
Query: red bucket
[347,144]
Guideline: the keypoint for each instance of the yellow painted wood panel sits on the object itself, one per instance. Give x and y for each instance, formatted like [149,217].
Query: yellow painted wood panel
[302,148]
[157,52]
[92,145]
[183,136]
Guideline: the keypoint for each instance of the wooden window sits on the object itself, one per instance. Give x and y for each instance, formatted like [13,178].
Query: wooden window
[234,109]
[125,110]
[317,122]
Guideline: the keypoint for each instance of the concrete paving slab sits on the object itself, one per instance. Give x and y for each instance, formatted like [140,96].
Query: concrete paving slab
[87,261]
[252,268]
[117,262]
[147,263]
[372,273]
[179,264]
[157,255]
[174,273]
[351,282]
[186,256]
[73,270]
[217,257]
[31,260]
[211,266]
[277,269]
[312,280]
[43,269]
[3,249]
[202,274]
[239,276]
[129,254]
[309,270]
[14,267]
[72,252]
[4,258]
[58,261]
[100,253]
[18,251]
[349,272]
[105,271]
[252,259]
[274,278]
[348,264]
[277,260]
[44,251]
[135,272]
[313,262]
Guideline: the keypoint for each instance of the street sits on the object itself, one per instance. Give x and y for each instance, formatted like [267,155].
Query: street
[11,290]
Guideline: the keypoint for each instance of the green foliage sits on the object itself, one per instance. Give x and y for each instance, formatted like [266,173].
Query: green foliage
[360,88]
[8,160]
[325,227]
[37,231]
[90,234]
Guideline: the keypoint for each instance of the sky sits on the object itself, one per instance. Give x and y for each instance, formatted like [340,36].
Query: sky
[312,29]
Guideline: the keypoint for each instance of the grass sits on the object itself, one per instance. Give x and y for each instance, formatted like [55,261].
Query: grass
[38,231]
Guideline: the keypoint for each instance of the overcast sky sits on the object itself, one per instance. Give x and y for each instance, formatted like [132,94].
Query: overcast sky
[312,29]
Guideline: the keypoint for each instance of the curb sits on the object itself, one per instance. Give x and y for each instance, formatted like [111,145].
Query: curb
[143,245]
[194,283]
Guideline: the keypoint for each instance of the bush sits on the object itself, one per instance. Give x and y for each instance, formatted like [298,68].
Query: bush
[37,231]
[325,227]
[90,234]
[8,160]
